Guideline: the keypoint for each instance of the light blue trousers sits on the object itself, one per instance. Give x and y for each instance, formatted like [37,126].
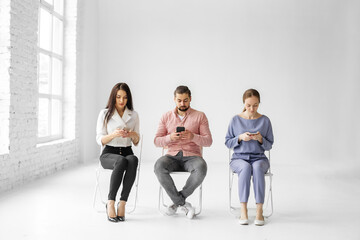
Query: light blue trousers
[245,169]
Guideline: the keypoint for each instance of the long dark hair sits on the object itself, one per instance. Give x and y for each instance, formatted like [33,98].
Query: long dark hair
[250,93]
[112,100]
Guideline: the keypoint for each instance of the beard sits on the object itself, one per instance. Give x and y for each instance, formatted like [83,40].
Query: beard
[183,109]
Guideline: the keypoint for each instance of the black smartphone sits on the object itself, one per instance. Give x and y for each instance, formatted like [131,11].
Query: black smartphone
[180,129]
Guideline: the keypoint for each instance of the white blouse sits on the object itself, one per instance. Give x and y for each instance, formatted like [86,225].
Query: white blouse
[129,120]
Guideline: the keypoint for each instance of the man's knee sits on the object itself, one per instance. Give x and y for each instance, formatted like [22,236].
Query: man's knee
[201,166]
[160,165]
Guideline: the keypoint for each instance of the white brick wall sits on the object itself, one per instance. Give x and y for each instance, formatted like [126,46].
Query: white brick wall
[4,75]
[26,160]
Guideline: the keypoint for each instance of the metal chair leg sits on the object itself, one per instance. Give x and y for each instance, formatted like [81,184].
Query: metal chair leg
[96,186]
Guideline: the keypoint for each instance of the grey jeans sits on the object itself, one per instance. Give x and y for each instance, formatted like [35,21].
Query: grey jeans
[166,164]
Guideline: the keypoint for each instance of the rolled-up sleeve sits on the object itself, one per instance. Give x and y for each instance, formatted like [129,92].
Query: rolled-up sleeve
[137,127]
[100,128]
[162,137]
[204,138]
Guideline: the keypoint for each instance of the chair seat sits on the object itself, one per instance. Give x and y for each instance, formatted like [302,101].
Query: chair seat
[180,172]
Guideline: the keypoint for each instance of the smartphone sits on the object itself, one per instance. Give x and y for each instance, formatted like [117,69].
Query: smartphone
[126,129]
[180,129]
[252,134]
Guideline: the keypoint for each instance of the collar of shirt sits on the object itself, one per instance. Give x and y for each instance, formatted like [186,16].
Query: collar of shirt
[126,116]
[189,111]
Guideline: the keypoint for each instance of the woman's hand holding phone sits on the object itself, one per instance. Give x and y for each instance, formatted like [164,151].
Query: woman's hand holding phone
[121,132]
[244,137]
[256,136]
[116,133]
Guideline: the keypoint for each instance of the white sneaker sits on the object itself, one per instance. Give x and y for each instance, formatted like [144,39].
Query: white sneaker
[171,210]
[188,210]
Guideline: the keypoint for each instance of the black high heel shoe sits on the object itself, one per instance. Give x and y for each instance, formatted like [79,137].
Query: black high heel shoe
[120,218]
[111,219]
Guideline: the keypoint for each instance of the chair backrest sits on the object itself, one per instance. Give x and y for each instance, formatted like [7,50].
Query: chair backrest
[139,147]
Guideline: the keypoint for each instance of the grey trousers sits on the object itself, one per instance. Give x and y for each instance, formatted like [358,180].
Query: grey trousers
[166,164]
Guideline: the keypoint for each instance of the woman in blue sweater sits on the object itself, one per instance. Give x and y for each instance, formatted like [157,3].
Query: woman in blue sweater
[250,134]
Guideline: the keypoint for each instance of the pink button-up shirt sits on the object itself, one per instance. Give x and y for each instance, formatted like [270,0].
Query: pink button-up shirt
[194,121]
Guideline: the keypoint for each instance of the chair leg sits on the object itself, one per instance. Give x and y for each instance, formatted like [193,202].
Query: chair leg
[161,202]
[232,209]
[96,186]
[200,201]
[136,194]
[136,184]
[270,198]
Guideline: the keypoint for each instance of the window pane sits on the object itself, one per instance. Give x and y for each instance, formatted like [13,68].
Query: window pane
[43,118]
[57,77]
[44,73]
[45,29]
[58,36]
[59,6]
[56,117]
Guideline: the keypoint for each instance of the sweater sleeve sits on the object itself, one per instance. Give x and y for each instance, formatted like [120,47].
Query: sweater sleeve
[231,140]
[268,139]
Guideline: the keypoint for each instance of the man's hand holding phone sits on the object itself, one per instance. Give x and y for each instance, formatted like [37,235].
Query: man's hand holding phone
[181,134]
[186,135]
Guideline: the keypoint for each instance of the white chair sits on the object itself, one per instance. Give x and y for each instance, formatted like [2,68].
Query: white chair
[161,203]
[101,171]
[268,196]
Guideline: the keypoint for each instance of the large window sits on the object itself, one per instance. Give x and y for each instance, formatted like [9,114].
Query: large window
[50,70]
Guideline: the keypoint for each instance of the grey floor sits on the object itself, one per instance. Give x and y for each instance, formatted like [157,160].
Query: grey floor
[309,203]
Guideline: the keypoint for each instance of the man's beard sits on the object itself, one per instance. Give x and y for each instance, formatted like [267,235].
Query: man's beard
[183,109]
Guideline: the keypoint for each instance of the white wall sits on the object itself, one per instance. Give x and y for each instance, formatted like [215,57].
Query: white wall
[88,76]
[302,56]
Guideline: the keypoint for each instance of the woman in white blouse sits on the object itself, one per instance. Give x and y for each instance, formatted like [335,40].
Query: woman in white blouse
[117,128]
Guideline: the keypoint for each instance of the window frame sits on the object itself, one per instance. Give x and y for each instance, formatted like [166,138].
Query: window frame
[52,55]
